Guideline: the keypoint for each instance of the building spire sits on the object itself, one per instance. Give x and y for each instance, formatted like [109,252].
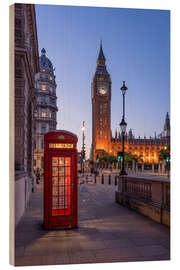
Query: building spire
[43,51]
[116,134]
[167,122]
[101,58]
[167,126]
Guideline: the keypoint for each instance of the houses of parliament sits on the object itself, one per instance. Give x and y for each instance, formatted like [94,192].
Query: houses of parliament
[147,149]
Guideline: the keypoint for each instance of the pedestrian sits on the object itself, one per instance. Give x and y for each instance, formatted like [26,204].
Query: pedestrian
[37,176]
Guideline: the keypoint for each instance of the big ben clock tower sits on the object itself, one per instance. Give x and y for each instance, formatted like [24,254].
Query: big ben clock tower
[101,107]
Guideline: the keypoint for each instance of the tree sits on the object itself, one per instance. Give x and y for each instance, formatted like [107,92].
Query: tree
[164,154]
[128,158]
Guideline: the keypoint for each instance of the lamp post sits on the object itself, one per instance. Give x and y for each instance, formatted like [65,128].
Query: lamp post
[83,147]
[123,126]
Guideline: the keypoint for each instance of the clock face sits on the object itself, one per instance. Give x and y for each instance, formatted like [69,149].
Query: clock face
[102,90]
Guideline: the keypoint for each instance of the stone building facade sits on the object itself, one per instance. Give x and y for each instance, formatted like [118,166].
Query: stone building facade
[26,64]
[146,149]
[46,108]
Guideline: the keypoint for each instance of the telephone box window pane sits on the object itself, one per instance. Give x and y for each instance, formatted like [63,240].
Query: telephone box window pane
[55,192]
[67,161]
[55,181]
[61,161]
[68,171]
[61,181]
[55,171]
[55,161]
[61,171]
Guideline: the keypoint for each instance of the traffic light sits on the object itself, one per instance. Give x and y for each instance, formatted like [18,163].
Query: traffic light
[166,159]
[119,156]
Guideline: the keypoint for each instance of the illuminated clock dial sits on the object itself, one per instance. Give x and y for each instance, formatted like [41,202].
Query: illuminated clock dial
[102,90]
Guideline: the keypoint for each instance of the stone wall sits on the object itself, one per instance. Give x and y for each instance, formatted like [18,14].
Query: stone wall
[23,188]
[150,197]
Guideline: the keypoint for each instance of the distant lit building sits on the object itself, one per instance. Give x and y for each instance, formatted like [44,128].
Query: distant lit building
[46,108]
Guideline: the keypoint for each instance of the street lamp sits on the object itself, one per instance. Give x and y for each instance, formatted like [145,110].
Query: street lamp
[123,126]
[83,148]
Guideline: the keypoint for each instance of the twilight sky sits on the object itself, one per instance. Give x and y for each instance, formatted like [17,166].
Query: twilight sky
[136,44]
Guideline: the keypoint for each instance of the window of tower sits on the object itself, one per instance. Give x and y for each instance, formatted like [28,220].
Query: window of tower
[42,76]
[43,128]
[42,143]
[53,115]
[43,99]
[43,87]
[43,113]
[51,78]
[35,113]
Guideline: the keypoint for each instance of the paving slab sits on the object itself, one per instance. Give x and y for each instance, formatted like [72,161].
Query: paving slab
[107,232]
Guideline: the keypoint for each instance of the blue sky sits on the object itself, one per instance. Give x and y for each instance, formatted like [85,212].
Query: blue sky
[136,44]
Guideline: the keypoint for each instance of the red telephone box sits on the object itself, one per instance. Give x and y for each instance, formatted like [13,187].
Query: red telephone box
[60,180]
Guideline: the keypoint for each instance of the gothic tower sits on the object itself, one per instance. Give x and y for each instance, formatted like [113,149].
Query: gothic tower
[101,107]
[167,126]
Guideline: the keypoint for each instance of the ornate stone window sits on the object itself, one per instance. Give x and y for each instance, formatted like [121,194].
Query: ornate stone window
[35,113]
[43,113]
[43,99]
[43,87]
[43,128]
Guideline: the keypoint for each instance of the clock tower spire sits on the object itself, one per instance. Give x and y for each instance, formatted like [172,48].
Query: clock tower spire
[101,107]
[101,61]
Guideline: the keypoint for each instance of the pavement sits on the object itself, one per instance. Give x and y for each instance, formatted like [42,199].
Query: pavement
[107,232]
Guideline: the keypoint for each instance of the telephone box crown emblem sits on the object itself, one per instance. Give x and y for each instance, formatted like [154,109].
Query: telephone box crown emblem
[61,137]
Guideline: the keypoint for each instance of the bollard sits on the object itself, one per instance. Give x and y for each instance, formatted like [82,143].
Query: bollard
[115,180]
[102,181]
[109,179]
[95,179]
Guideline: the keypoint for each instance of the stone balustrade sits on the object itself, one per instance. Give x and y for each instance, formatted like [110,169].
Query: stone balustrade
[148,196]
